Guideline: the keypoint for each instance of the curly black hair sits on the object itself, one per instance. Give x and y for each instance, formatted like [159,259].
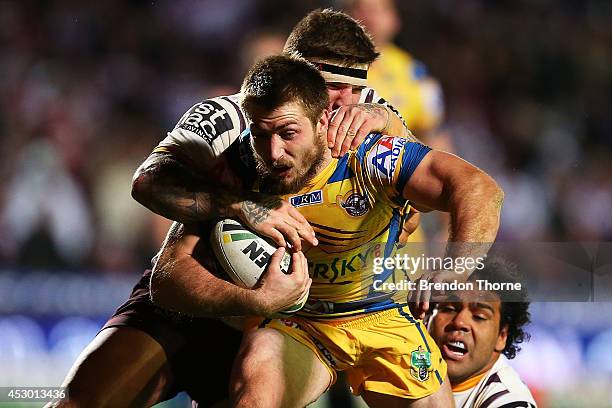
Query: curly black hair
[514,309]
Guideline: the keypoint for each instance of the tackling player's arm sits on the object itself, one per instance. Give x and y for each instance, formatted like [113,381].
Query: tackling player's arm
[178,180]
[166,186]
[179,193]
[395,125]
[350,124]
[189,179]
[181,282]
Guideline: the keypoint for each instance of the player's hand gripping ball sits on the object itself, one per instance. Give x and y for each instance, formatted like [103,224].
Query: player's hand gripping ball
[245,256]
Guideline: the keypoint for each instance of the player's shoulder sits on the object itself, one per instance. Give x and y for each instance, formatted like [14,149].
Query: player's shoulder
[214,116]
[503,386]
[376,141]
[380,155]
[379,143]
[208,127]
[511,379]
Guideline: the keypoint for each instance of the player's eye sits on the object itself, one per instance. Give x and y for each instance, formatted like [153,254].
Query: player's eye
[446,308]
[288,134]
[480,317]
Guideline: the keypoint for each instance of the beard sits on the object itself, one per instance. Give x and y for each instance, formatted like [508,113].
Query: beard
[306,170]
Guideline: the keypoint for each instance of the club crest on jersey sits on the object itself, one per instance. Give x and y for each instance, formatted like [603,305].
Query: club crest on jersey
[420,363]
[208,120]
[387,153]
[314,197]
[354,203]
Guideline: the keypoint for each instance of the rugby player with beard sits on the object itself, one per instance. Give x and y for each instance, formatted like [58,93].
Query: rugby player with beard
[346,325]
[145,354]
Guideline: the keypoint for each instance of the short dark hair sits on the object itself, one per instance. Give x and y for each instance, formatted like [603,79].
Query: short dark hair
[280,79]
[514,308]
[331,34]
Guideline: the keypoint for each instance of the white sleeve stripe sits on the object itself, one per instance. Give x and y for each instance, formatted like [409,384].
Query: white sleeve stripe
[222,141]
[239,113]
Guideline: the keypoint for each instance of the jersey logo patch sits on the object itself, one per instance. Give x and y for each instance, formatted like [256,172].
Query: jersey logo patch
[314,197]
[387,153]
[208,120]
[420,362]
[355,204]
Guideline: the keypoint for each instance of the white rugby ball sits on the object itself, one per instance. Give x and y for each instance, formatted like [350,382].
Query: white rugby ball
[245,255]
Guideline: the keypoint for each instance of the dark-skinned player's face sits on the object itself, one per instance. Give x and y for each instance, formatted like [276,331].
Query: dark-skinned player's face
[467,330]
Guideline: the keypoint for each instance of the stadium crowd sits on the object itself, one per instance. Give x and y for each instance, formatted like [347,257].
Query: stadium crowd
[89,89]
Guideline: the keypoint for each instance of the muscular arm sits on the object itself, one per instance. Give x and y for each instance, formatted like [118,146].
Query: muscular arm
[444,182]
[167,187]
[182,283]
[350,124]
[447,183]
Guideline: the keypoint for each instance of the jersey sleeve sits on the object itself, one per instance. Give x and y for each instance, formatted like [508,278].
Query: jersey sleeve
[205,131]
[369,95]
[503,388]
[388,162]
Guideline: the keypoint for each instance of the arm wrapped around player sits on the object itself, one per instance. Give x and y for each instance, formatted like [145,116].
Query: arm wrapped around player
[185,279]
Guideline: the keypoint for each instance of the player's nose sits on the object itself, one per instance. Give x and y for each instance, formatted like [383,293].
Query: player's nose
[277,147]
[460,321]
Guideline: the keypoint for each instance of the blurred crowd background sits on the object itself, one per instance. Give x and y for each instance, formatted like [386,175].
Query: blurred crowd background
[88,89]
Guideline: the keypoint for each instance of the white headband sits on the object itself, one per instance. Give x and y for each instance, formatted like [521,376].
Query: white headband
[336,71]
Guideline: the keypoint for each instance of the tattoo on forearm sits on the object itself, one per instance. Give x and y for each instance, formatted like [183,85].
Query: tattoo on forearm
[172,190]
[372,108]
[381,111]
[257,212]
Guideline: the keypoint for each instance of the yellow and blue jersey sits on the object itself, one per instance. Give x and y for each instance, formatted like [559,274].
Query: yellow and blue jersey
[354,206]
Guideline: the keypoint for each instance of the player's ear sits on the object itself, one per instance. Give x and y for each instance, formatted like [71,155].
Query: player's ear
[502,337]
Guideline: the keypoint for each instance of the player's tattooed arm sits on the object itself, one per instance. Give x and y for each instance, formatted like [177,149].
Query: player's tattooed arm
[182,279]
[395,125]
[277,219]
[167,187]
[256,212]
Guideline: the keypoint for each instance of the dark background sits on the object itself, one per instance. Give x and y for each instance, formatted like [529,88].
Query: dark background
[87,90]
